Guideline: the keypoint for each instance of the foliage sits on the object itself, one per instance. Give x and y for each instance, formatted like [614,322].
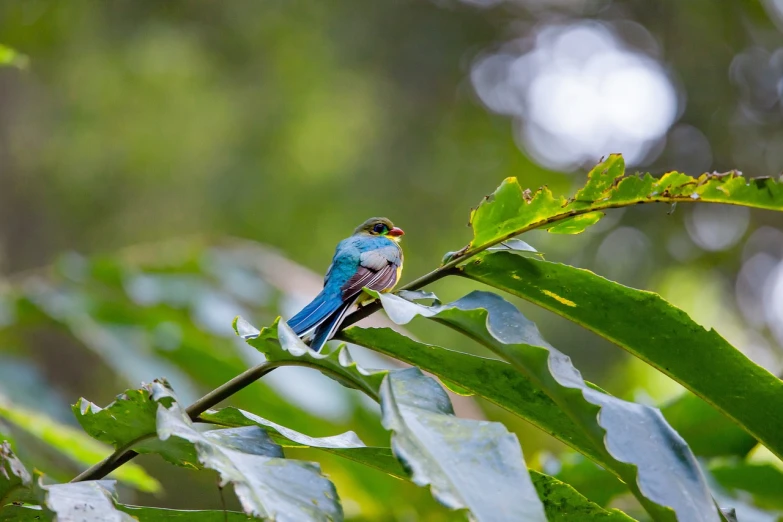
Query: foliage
[474,467]
[11,57]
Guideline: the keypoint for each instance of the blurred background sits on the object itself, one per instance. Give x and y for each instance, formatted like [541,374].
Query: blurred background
[138,136]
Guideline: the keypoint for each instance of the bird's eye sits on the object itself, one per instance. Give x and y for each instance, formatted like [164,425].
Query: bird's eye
[379,228]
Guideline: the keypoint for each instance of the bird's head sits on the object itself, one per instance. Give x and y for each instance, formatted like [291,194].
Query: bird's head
[378,226]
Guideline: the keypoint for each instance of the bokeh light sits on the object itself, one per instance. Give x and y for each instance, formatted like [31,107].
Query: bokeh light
[577,92]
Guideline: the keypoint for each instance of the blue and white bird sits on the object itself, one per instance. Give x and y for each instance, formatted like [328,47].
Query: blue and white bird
[371,258]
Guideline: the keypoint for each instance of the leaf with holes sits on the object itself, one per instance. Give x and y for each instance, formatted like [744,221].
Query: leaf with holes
[510,211]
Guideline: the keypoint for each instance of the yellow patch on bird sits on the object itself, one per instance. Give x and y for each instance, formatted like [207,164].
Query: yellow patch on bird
[396,280]
[559,298]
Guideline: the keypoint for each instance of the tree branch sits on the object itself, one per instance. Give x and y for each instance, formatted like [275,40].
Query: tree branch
[123,455]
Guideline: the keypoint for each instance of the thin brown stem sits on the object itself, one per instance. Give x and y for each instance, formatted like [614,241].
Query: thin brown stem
[125,454]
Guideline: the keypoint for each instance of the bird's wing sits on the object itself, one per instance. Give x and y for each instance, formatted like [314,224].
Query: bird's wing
[377,270]
[329,300]
[378,258]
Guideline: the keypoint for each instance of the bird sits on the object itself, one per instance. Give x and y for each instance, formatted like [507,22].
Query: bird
[372,258]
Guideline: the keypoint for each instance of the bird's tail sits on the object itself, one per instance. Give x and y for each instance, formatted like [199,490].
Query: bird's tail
[315,313]
[326,329]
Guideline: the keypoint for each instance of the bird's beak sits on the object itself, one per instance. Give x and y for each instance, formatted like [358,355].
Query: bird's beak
[396,232]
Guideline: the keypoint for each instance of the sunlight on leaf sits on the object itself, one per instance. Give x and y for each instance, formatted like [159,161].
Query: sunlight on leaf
[576,224]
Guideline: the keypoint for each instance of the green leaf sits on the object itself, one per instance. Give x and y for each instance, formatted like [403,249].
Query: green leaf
[708,432]
[591,480]
[150,420]
[14,477]
[517,246]
[346,445]
[24,513]
[643,450]
[138,513]
[266,484]
[652,329]
[576,224]
[280,434]
[564,504]
[729,514]
[496,381]
[74,444]
[150,514]
[130,421]
[89,501]
[510,211]
[468,464]
[281,345]
[561,502]
[762,480]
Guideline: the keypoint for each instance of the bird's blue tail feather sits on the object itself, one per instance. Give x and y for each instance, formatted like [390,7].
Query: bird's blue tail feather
[326,329]
[319,309]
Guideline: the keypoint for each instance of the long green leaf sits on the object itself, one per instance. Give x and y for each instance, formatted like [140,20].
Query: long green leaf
[496,381]
[509,211]
[763,481]
[709,433]
[150,514]
[653,330]
[644,451]
[564,504]
[591,480]
[346,445]
[468,464]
